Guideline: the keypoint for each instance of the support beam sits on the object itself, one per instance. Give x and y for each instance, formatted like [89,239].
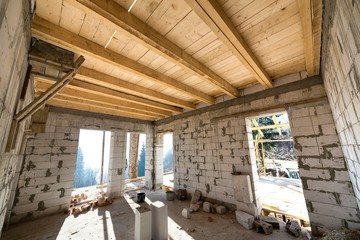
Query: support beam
[214,16]
[95,104]
[108,81]
[305,10]
[61,37]
[46,96]
[89,92]
[88,108]
[122,21]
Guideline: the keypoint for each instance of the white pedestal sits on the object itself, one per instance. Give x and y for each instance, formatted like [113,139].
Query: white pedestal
[159,221]
[142,223]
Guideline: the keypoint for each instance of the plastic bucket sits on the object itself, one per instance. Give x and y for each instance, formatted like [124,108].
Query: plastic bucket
[170,195]
[141,197]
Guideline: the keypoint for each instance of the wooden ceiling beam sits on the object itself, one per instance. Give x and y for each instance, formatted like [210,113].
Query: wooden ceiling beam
[61,37]
[122,21]
[104,105]
[84,107]
[307,23]
[104,80]
[214,16]
[101,94]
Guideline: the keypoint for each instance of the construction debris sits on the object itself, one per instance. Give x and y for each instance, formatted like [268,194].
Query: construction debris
[78,205]
[246,220]
[264,227]
[271,220]
[196,197]
[220,209]
[185,213]
[194,207]
[293,227]
[207,207]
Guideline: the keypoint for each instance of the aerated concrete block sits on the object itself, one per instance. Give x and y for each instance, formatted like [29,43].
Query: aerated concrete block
[142,223]
[246,220]
[159,220]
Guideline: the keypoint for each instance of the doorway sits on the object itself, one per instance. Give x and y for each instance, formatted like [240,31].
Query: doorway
[279,187]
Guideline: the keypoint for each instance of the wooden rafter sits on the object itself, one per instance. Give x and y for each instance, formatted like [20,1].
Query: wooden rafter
[89,108]
[122,21]
[49,93]
[214,16]
[119,108]
[105,80]
[306,16]
[61,37]
[97,93]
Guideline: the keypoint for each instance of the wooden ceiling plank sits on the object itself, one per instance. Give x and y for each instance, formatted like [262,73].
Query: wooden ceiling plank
[103,94]
[125,22]
[305,10]
[214,16]
[104,80]
[58,36]
[104,105]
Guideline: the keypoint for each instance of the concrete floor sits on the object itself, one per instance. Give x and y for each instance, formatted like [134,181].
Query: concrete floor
[117,222]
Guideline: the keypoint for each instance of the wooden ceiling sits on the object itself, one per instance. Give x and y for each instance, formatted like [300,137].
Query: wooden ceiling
[150,59]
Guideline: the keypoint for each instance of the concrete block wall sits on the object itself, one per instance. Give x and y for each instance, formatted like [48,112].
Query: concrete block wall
[341,73]
[210,142]
[117,164]
[48,169]
[328,192]
[15,40]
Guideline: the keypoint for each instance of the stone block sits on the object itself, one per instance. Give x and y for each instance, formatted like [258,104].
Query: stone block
[207,207]
[220,209]
[242,188]
[194,207]
[246,220]
[185,213]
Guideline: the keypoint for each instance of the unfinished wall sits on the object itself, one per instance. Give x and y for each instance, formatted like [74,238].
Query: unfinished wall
[210,141]
[47,173]
[341,73]
[15,39]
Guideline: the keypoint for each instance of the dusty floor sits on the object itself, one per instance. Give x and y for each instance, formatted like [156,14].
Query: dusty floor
[117,222]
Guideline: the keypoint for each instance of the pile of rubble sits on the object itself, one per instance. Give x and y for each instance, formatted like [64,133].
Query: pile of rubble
[81,203]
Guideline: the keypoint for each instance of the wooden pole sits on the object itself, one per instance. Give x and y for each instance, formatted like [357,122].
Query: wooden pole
[102,160]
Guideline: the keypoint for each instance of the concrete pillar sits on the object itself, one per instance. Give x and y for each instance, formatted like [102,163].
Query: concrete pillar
[117,163]
[149,157]
[143,223]
[159,220]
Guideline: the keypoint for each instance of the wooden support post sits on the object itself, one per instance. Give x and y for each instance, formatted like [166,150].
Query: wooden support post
[48,94]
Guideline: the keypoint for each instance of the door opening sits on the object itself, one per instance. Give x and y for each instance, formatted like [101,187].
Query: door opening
[279,185]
